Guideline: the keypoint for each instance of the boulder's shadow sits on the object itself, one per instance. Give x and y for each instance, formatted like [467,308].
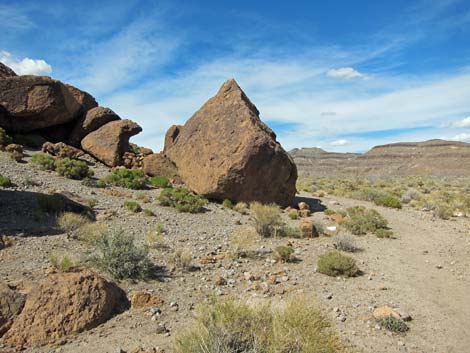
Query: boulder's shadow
[21,213]
[314,204]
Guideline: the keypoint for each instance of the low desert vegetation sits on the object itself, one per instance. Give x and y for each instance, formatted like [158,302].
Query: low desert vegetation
[284,253]
[345,242]
[126,178]
[51,204]
[229,326]
[155,238]
[148,212]
[5,139]
[90,232]
[266,219]
[182,259]
[43,161]
[182,199]
[5,182]
[361,220]
[242,208]
[293,214]
[443,196]
[393,324]
[72,168]
[334,264]
[160,182]
[227,204]
[133,206]
[243,242]
[71,222]
[63,263]
[118,255]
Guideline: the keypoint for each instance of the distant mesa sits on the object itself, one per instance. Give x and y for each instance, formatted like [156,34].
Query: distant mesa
[224,151]
[431,158]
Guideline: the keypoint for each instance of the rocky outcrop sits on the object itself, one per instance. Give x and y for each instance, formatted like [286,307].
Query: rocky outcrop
[5,71]
[224,151]
[64,304]
[35,102]
[158,165]
[171,136]
[11,304]
[84,98]
[110,141]
[61,150]
[91,121]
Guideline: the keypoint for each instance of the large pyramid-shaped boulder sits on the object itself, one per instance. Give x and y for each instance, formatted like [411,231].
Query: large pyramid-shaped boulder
[110,141]
[225,151]
[36,102]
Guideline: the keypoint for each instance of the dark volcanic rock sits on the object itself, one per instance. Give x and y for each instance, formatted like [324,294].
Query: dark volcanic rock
[110,141]
[226,152]
[35,102]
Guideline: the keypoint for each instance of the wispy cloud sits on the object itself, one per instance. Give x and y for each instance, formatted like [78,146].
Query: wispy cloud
[345,72]
[13,18]
[464,123]
[339,142]
[26,66]
[463,137]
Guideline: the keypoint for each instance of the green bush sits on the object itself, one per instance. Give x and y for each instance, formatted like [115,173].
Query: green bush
[293,214]
[132,206]
[148,212]
[182,199]
[393,324]
[361,220]
[4,138]
[44,161]
[65,264]
[72,168]
[383,233]
[120,257]
[159,182]
[283,253]
[229,327]
[266,219]
[388,201]
[5,182]
[345,242]
[126,178]
[227,204]
[334,264]
[50,203]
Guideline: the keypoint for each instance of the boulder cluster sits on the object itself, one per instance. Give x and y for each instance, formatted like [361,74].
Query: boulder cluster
[224,151]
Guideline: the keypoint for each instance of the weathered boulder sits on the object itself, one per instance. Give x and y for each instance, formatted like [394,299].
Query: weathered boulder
[5,71]
[158,165]
[224,151]
[92,120]
[84,98]
[64,304]
[61,150]
[11,304]
[35,102]
[171,136]
[110,141]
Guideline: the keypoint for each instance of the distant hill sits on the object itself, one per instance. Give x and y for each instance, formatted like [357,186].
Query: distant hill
[433,157]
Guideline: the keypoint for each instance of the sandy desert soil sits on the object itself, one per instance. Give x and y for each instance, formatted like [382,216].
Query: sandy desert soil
[423,271]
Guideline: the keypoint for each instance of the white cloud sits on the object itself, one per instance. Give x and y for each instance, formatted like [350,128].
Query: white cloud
[345,72]
[25,66]
[464,123]
[339,143]
[463,137]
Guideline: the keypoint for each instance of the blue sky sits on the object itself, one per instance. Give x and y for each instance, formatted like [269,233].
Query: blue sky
[341,75]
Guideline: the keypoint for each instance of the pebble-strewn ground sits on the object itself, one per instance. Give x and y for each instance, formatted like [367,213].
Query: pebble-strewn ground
[424,271]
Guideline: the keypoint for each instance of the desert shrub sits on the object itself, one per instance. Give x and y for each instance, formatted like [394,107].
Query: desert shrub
[182,199]
[126,178]
[4,138]
[241,207]
[393,324]
[148,212]
[289,232]
[182,259]
[63,264]
[72,168]
[159,182]
[44,161]
[50,203]
[361,220]
[329,212]
[388,201]
[142,196]
[266,219]
[90,232]
[120,257]
[443,211]
[132,206]
[345,242]
[155,237]
[229,326]
[411,195]
[334,264]
[17,156]
[71,222]
[383,233]
[227,204]
[5,182]
[243,242]
[283,253]
[293,214]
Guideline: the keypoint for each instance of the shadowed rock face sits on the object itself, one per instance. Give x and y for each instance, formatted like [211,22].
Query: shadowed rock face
[5,71]
[36,102]
[226,151]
